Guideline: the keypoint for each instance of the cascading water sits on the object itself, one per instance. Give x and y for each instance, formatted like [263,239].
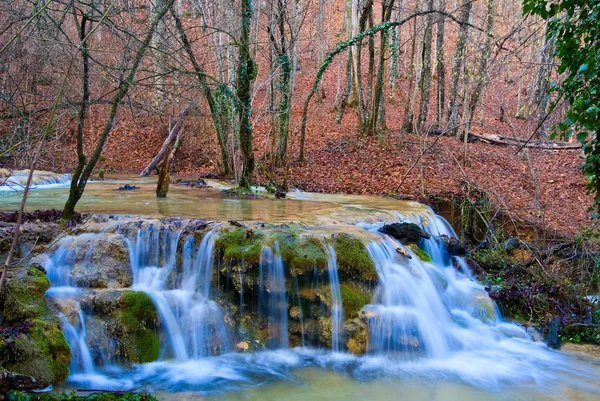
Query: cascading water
[431,311]
[271,264]
[337,309]
[193,324]
[17,179]
[81,359]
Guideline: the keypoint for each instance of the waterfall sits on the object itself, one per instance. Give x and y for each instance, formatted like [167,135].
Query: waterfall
[192,322]
[81,360]
[429,309]
[17,179]
[337,309]
[272,263]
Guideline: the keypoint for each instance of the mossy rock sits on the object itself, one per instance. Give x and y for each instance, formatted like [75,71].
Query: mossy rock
[240,244]
[134,325]
[309,254]
[42,353]
[24,295]
[421,254]
[353,260]
[353,301]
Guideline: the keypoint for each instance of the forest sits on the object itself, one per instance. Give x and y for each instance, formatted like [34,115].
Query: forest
[280,166]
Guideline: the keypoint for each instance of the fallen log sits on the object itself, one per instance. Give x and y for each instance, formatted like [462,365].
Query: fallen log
[167,144]
[497,139]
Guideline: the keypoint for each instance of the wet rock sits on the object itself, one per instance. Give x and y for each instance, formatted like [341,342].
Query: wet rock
[14,381]
[454,246]
[406,233]
[42,353]
[199,183]
[295,313]
[134,325]
[127,187]
[356,332]
[353,260]
[242,346]
[24,297]
[101,261]
[421,254]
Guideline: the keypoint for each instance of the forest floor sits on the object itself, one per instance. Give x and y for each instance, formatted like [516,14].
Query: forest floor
[539,186]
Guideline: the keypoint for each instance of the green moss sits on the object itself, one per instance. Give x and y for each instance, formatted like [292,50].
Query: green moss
[42,353]
[142,346]
[353,258]
[309,255]
[134,327]
[494,259]
[421,254]
[287,241]
[353,301]
[240,244]
[136,307]
[70,396]
[25,296]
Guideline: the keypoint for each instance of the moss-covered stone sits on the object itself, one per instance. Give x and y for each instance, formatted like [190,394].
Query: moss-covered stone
[42,353]
[309,254]
[240,244]
[134,326]
[353,300]
[24,295]
[352,258]
[421,254]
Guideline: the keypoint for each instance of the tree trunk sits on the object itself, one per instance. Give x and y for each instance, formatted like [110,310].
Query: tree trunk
[160,53]
[441,67]
[164,150]
[426,74]
[482,71]
[458,65]
[246,74]
[216,103]
[77,190]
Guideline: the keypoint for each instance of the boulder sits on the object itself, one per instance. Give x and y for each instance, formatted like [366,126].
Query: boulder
[406,233]
[454,246]
[42,352]
[24,297]
[101,261]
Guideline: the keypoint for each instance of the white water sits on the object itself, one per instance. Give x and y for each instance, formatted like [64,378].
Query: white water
[193,323]
[337,309]
[271,263]
[17,179]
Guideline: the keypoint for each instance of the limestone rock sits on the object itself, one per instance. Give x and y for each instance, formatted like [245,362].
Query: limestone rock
[101,261]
